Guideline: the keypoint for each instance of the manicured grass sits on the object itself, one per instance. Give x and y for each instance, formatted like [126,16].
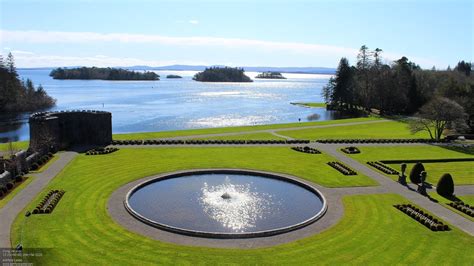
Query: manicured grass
[204,131]
[371,231]
[17,145]
[387,130]
[469,199]
[312,105]
[15,191]
[462,172]
[252,136]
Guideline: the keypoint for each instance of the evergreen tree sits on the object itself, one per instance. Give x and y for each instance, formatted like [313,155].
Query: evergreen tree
[10,64]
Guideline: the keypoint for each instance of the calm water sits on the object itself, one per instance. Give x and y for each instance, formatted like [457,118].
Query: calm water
[195,203]
[171,104]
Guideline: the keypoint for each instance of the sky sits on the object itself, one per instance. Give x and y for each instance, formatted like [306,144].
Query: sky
[236,33]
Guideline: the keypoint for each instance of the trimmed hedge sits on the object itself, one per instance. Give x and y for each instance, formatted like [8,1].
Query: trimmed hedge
[380,141]
[100,151]
[49,202]
[415,173]
[462,207]
[306,149]
[343,169]
[41,161]
[429,160]
[205,142]
[383,168]
[424,218]
[445,186]
[350,150]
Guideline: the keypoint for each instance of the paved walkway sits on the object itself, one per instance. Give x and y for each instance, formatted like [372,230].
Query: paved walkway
[16,205]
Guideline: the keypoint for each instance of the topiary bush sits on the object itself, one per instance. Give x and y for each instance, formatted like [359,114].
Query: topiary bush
[416,173]
[445,186]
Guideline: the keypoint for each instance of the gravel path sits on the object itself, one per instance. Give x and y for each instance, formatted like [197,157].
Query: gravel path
[16,205]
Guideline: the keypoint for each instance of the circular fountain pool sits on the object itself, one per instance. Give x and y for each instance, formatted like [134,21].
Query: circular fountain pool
[225,203]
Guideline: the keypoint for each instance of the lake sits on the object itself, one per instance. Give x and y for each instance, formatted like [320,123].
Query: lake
[172,104]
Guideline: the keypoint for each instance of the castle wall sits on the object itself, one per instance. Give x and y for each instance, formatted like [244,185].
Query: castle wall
[63,130]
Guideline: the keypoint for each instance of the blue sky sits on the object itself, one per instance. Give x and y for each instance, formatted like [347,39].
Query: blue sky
[237,33]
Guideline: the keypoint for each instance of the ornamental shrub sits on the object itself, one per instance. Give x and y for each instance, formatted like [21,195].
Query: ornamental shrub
[445,186]
[416,172]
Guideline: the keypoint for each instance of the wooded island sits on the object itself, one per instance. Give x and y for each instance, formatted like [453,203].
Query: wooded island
[102,73]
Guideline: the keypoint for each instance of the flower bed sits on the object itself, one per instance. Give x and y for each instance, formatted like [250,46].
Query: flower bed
[383,168]
[422,217]
[462,207]
[306,149]
[49,202]
[345,170]
[350,150]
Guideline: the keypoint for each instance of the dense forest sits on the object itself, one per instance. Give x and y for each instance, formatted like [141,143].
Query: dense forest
[102,73]
[400,88]
[18,95]
[270,75]
[222,74]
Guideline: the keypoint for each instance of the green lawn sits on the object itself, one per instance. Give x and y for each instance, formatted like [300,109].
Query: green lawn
[462,172]
[15,191]
[312,105]
[204,131]
[387,130]
[371,231]
[251,136]
[17,145]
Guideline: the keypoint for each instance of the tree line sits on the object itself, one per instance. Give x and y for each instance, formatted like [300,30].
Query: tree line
[19,95]
[399,88]
[102,73]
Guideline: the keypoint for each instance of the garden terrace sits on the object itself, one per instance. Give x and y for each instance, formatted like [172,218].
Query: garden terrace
[205,142]
[422,217]
[343,141]
[461,171]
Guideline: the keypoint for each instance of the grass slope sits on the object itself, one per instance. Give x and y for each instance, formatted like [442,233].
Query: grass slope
[371,231]
[204,131]
[18,145]
[387,130]
[462,172]
[251,136]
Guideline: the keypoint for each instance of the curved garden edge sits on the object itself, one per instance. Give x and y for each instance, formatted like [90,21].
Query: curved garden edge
[120,215]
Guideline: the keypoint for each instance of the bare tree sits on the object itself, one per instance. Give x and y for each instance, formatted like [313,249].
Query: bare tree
[437,115]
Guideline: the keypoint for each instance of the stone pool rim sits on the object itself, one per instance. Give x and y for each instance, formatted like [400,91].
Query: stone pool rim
[206,234]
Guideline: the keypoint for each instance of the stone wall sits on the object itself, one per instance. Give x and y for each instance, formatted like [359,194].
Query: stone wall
[67,129]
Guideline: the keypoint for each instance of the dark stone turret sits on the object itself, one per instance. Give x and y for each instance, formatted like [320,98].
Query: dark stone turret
[67,129]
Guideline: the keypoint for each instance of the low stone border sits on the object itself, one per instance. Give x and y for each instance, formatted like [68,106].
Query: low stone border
[150,222]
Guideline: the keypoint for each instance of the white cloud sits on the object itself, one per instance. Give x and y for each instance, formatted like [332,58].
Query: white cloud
[36,60]
[55,37]
[193,21]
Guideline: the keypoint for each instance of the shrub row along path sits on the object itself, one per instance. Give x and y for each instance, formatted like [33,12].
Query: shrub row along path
[406,191]
[13,208]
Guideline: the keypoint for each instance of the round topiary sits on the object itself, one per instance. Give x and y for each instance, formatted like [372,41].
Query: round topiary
[415,173]
[9,185]
[445,186]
